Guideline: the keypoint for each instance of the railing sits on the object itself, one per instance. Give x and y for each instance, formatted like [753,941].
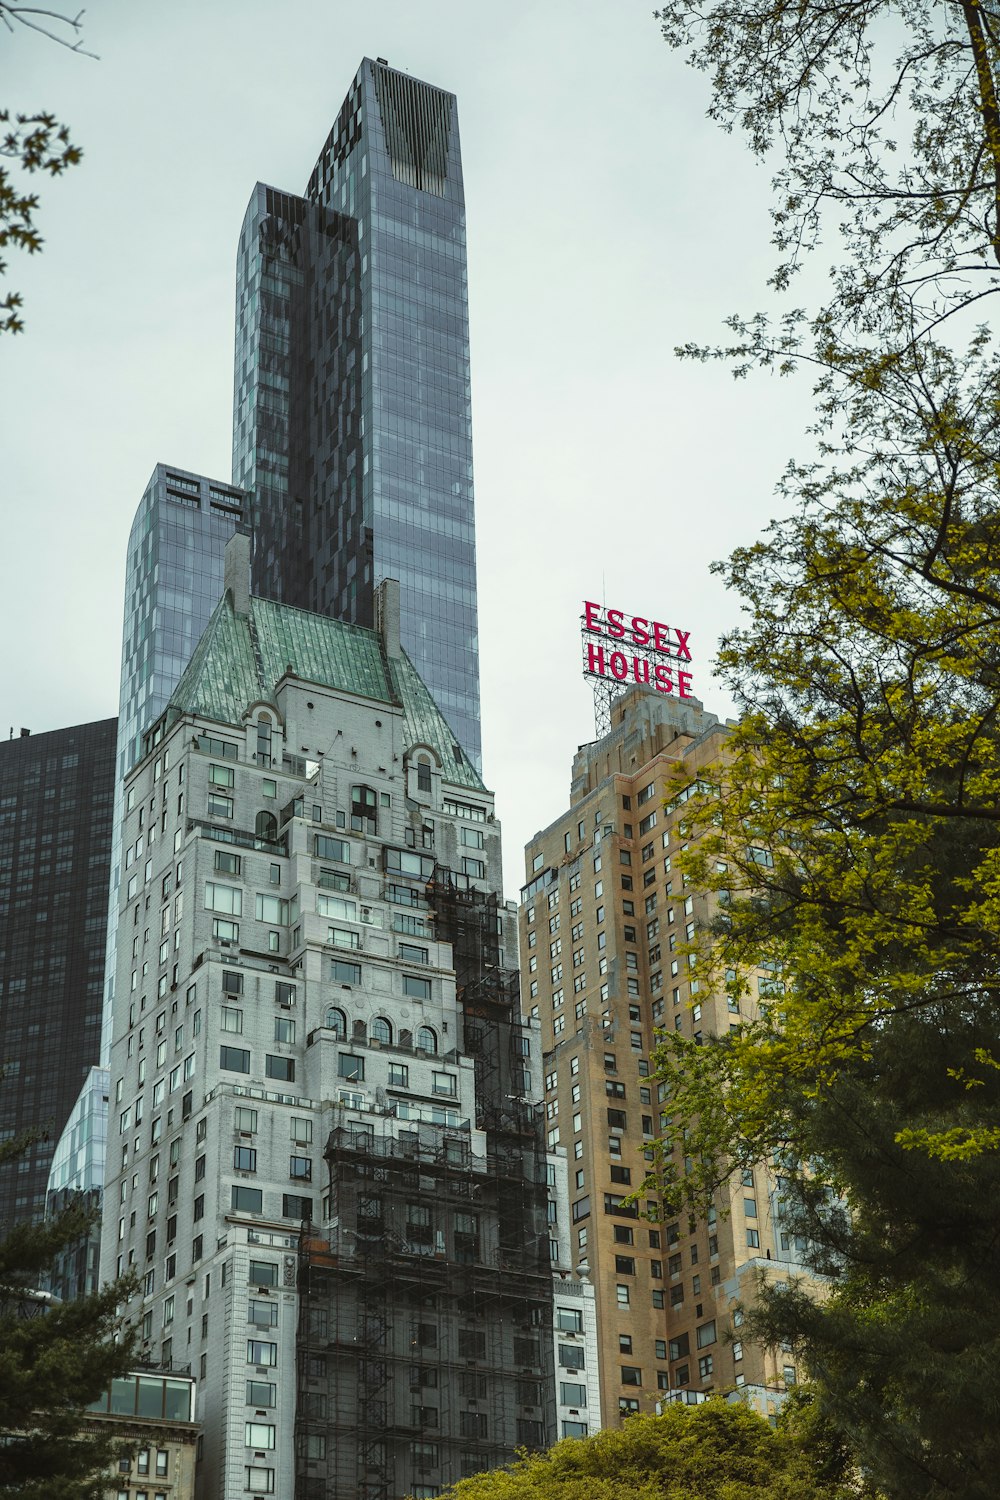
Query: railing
[242,838]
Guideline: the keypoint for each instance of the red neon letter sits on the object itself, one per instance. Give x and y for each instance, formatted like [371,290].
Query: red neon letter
[591,616]
[640,634]
[615,626]
[595,659]
[640,669]
[684,684]
[664,681]
[661,637]
[683,636]
[618,665]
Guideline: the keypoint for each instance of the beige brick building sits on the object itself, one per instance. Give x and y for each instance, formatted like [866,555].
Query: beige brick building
[604,920]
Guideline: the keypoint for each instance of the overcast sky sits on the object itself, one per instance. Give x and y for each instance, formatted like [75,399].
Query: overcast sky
[608,221]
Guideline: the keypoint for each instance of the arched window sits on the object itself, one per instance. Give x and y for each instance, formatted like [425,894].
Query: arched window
[381,1031]
[266,826]
[427,1039]
[336,1021]
[423,774]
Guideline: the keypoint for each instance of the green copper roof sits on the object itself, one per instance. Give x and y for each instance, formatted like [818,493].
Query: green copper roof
[241,658]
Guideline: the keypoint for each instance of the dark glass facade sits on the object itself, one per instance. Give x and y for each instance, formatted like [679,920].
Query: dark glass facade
[173,581]
[352,417]
[56,810]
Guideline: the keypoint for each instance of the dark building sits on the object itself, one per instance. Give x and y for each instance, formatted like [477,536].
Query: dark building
[352,416]
[56,806]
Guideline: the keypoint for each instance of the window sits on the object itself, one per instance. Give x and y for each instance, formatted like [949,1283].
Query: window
[265,827]
[416,986]
[284,1030]
[234,1059]
[571,1357]
[300,1168]
[225,931]
[399,1076]
[263,1273]
[410,953]
[572,1394]
[247,1200]
[259,1481]
[445,1083]
[706,1334]
[335,1021]
[259,1435]
[282,1068]
[363,809]
[244,1159]
[427,1039]
[569,1320]
[753,1239]
[406,862]
[295,1207]
[263,1314]
[261,1393]
[325,847]
[631,1375]
[232,1019]
[246,1120]
[349,1066]
[226,863]
[343,937]
[224,898]
[344,972]
[220,806]
[271,909]
[381,1031]
[622,1295]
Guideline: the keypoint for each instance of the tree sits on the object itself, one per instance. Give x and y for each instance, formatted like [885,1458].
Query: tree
[885,121]
[853,836]
[713,1451]
[32,143]
[904,1349]
[54,1361]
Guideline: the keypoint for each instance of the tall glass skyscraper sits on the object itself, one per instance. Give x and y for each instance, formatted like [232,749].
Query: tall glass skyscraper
[173,581]
[352,425]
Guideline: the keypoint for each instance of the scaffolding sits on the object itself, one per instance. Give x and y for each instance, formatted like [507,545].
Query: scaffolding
[424,1345]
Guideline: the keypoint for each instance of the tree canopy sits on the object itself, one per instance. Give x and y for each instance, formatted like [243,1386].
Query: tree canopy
[31,143]
[713,1451]
[884,123]
[53,1364]
[851,832]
